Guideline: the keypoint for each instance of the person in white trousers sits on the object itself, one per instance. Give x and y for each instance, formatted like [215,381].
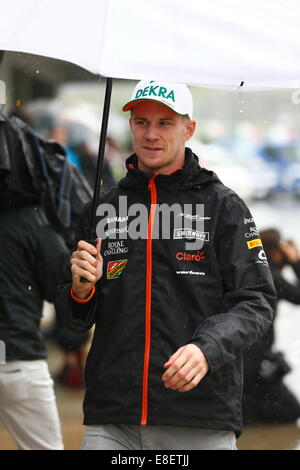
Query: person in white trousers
[32,258]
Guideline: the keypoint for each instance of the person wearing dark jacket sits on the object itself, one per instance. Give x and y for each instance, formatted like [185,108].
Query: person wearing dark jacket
[173,305]
[266,398]
[32,258]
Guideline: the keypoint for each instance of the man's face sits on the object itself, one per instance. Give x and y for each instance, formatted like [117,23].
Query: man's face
[159,135]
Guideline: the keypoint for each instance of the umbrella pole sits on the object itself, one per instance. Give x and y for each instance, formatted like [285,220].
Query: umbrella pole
[90,231]
[100,160]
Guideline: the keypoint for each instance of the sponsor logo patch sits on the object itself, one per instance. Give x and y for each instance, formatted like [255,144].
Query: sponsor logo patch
[156,91]
[116,248]
[262,255]
[112,231]
[113,220]
[253,232]
[193,217]
[254,243]
[183,256]
[262,258]
[190,233]
[115,268]
[196,273]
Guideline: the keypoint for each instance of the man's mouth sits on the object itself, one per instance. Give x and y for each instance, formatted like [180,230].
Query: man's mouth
[152,149]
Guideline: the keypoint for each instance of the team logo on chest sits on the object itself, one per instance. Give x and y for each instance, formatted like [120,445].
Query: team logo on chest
[115,268]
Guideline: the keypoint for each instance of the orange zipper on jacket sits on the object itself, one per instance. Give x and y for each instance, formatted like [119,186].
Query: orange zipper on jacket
[153,194]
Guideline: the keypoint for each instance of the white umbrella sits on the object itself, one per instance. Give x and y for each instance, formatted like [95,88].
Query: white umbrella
[213,43]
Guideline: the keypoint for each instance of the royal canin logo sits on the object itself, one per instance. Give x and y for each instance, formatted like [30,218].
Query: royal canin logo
[183,256]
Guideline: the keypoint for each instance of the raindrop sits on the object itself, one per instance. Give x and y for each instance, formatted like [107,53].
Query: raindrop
[29,287]
[37,71]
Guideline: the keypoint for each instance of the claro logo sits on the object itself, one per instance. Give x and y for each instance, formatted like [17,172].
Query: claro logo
[183,256]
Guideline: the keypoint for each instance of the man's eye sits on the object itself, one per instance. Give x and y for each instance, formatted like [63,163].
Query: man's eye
[141,123]
[165,123]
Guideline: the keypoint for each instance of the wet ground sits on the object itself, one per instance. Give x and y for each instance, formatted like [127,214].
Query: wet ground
[282,213]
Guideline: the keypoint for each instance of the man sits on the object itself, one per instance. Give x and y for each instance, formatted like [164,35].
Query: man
[172,313]
[32,258]
[266,398]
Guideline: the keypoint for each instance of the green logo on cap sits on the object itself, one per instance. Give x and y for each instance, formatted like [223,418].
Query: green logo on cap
[155,91]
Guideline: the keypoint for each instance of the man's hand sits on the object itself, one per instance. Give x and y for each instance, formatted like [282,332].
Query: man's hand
[290,250]
[86,262]
[185,368]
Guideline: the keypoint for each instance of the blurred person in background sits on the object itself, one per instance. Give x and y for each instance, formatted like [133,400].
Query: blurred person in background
[33,256]
[84,143]
[266,398]
[72,346]
[27,400]
[59,133]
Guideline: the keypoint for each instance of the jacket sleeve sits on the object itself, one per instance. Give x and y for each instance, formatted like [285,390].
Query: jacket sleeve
[70,314]
[249,298]
[47,252]
[53,256]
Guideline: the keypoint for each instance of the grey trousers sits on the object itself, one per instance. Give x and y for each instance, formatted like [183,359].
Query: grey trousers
[132,437]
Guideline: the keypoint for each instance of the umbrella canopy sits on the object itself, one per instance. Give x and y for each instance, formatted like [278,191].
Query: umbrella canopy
[207,43]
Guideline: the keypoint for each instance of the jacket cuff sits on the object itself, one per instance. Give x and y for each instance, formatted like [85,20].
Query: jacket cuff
[211,350]
[83,301]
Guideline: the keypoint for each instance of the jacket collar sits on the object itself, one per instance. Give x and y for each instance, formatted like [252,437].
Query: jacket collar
[190,175]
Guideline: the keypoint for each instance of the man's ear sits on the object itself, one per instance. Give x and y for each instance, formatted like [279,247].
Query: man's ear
[130,123]
[190,128]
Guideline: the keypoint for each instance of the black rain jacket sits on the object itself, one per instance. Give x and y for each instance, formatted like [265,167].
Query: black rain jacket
[32,262]
[156,296]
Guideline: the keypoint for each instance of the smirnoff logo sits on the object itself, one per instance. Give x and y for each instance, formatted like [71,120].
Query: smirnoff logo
[190,233]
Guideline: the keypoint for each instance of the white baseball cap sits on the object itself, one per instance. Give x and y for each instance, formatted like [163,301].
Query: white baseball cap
[173,95]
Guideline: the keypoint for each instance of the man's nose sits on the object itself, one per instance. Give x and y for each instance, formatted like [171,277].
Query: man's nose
[151,132]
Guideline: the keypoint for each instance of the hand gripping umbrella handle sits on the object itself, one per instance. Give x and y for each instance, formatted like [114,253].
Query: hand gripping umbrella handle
[94,243]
